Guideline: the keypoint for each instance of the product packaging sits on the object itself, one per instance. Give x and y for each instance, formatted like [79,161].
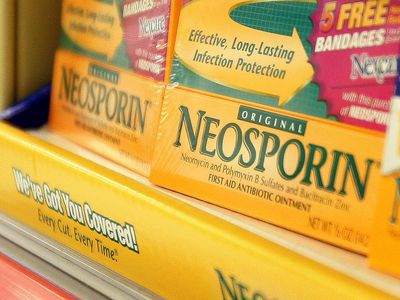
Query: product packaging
[385,245]
[331,59]
[276,110]
[109,76]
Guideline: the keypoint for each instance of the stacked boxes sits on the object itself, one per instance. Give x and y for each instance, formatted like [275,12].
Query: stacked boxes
[274,109]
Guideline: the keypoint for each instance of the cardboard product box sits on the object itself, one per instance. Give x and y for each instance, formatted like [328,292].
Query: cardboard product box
[385,246]
[109,76]
[107,109]
[279,112]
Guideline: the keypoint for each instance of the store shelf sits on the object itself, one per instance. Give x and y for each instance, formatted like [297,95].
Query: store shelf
[186,249]
[63,266]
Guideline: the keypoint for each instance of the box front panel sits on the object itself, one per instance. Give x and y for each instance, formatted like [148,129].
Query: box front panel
[106,109]
[315,177]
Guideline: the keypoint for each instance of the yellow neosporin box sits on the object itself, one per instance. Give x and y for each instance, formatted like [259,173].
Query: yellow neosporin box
[385,246]
[109,110]
[107,95]
[313,176]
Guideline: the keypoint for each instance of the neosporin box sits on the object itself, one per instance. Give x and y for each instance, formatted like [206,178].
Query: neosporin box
[109,110]
[295,171]
[385,246]
[109,76]
[299,165]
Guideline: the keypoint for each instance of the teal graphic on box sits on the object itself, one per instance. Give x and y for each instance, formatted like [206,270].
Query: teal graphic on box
[302,56]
